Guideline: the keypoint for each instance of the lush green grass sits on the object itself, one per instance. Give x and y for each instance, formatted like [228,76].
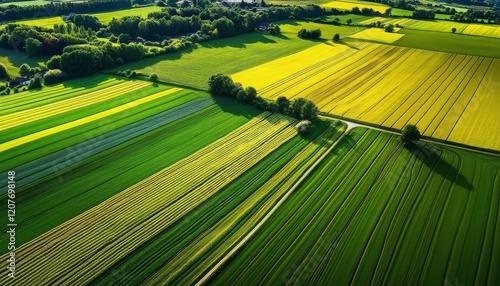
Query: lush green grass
[451,43]
[401,12]
[376,213]
[442,16]
[234,202]
[54,199]
[12,60]
[106,17]
[193,67]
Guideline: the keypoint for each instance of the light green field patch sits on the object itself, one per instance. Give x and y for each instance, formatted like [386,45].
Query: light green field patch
[377,35]
[106,17]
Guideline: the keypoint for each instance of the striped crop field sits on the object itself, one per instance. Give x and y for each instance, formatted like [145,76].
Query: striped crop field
[376,213]
[391,86]
[109,231]
[348,5]
[483,30]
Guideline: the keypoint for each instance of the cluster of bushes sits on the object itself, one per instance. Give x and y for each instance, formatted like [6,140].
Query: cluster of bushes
[423,14]
[127,73]
[309,34]
[300,108]
[274,29]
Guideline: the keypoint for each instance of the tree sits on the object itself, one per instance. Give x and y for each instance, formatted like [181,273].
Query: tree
[54,76]
[296,107]
[410,134]
[54,63]
[221,85]
[3,71]
[349,21]
[35,82]
[24,69]
[336,38]
[80,62]
[153,77]
[124,38]
[389,28]
[309,111]
[453,30]
[33,47]
[283,104]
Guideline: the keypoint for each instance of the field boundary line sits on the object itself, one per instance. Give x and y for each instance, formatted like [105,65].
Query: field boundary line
[249,235]
[352,124]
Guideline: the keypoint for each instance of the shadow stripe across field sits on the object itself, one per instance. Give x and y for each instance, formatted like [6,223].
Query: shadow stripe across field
[64,158]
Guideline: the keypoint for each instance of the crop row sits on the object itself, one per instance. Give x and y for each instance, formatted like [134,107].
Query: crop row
[391,86]
[186,249]
[52,109]
[60,128]
[109,231]
[64,158]
[95,179]
[34,98]
[377,213]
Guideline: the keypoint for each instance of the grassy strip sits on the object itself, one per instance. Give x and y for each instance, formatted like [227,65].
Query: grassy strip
[59,160]
[73,190]
[400,216]
[27,152]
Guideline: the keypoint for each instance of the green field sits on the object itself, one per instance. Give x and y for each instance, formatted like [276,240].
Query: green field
[12,60]
[193,67]
[451,43]
[25,3]
[376,213]
[401,12]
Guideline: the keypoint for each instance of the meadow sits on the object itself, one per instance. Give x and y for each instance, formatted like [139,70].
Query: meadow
[438,92]
[193,67]
[377,213]
[12,60]
[349,4]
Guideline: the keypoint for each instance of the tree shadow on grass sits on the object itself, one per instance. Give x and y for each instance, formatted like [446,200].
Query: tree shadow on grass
[237,108]
[433,158]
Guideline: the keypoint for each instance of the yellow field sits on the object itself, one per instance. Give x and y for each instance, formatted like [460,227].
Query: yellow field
[348,5]
[109,231]
[391,86]
[378,35]
[440,26]
[483,30]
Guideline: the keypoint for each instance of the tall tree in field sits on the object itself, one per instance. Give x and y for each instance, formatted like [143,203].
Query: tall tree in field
[283,104]
[410,135]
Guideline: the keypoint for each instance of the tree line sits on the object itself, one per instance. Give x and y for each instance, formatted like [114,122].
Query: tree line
[14,12]
[299,108]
